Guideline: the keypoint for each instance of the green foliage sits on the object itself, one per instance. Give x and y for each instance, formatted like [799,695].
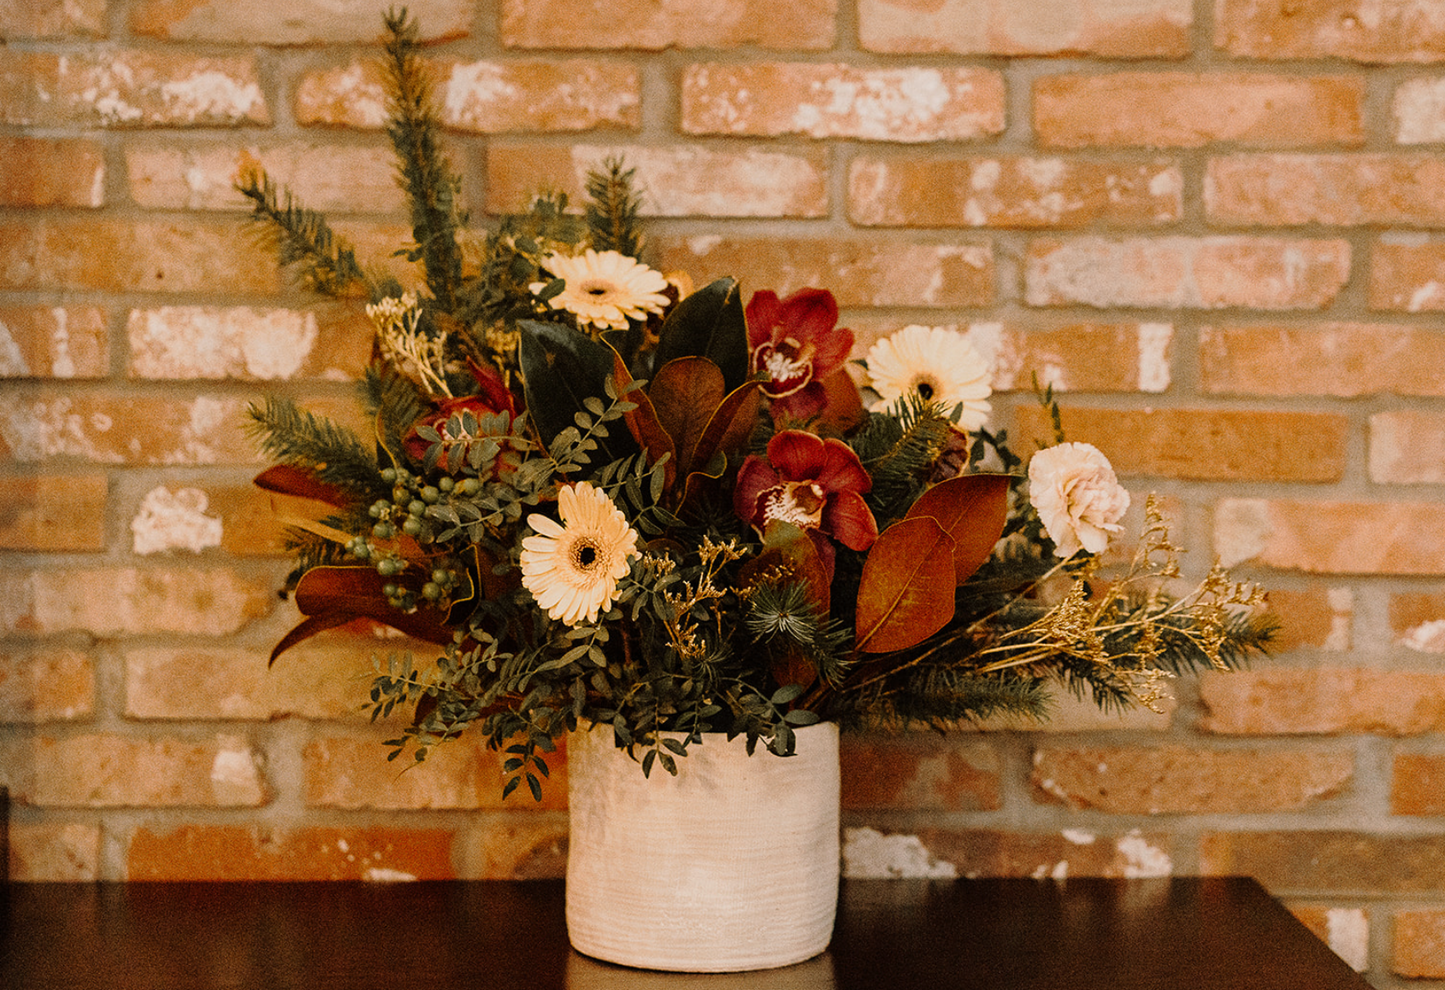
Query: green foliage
[612,209]
[303,240]
[332,453]
[898,448]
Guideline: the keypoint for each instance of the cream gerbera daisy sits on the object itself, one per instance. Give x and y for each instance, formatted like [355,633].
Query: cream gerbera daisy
[937,363]
[572,568]
[605,289]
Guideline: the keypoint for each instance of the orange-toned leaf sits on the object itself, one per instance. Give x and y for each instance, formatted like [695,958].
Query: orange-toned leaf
[843,412]
[646,428]
[285,479]
[684,393]
[789,553]
[356,593]
[906,591]
[972,509]
[731,424]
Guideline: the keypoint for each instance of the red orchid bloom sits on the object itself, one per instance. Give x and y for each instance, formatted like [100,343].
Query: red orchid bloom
[795,343]
[815,484]
[494,397]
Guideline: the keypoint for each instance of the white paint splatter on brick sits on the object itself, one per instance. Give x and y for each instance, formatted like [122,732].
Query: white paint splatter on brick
[212,342]
[1342,610]
[1420,111]
[174,520]
[1059,871]
[1242,529]
[1427,637]
[381,874]
[1141,859]
[1154,341]
[62,363]
[1431,295]
[12,359]
[1349,936]
[36,430]
[210,94]
[870,855]
[1079,837]
[235,774]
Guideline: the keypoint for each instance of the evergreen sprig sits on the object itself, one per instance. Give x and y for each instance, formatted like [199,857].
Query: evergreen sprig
[425,174]
[303,240]
[612,209]
[330,452]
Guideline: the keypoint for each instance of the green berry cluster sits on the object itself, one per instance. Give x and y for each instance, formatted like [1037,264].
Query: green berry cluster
[406,512]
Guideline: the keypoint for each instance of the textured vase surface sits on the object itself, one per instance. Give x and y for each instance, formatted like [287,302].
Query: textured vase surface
[731,865]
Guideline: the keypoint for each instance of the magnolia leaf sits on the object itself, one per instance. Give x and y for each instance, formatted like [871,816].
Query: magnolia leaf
[685,392]
[906,592]
[789,554]
[284,479]
[563,369]
[709,323]
[843,410]
[731,424]
[972,509]
[356,593]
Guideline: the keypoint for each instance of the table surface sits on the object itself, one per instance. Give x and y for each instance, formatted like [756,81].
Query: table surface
[1010,934]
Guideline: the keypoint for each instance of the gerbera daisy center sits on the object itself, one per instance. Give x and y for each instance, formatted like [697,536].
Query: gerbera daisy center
[598,288]
[926,386]
[584,555]
[797,502]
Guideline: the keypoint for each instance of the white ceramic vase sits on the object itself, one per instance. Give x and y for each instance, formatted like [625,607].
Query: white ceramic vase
[731,865]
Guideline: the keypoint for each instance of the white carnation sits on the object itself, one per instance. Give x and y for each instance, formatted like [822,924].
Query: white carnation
[1078,497]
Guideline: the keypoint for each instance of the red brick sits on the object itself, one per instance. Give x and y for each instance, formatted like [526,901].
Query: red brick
[1328,860]
[912,772]
[353,772]
[1407,447]
[1186,272]
[51,172]
[122,428]
[327,678]
[1322,701]
[1335,190]
[1400,31]
[116,255]
[46,685]
[305,22]
[53,513]
[262,852]
[1418,949]
[1341,360]
[673,181]
[485,97]
[1205,444]
[1419,111]
[52,18]
[1417,620]
[329,178]
[54,852]
[249,343]
[1010,191]
[1185,780]
[839,101]
[53,342]
[937,851]
[1407,273]
[1028,27]
[1332,537]
[1417,784]
[112,771]
[1190,109]
[1314,617]
[132,88]
[859,272]
[808,26]
[517,846]
[114,601]
[1072,357]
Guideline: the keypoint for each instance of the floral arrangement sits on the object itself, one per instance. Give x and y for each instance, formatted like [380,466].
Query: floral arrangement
[611,499]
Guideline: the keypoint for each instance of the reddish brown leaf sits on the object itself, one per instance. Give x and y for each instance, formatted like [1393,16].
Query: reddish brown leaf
[684,392]
[906,592]
[789,553]
[844,410]
[972,509]
[356,593]
[644,425]
[287,480]
[730,426]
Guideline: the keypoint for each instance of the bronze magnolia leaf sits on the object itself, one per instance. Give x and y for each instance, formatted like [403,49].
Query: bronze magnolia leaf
[972,509]
[906,592]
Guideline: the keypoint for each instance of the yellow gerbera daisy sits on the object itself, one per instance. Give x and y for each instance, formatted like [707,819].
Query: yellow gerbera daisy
[572,568]
[605,289]
[937,363]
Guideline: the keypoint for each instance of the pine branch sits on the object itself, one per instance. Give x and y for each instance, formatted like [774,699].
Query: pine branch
[898,449]
[391,400]
[303,240]
[424,172]
[612,212]
[332,453]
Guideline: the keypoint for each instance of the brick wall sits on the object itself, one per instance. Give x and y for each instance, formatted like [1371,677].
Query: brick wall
[1217,226]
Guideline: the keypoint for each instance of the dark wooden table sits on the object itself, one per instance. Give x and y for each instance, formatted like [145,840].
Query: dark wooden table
[1195,933]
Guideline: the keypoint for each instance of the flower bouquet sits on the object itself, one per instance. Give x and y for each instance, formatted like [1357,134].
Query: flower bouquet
[611,499]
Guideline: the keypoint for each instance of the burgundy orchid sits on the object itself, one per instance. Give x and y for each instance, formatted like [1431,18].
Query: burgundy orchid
[796,344]
[815,484]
